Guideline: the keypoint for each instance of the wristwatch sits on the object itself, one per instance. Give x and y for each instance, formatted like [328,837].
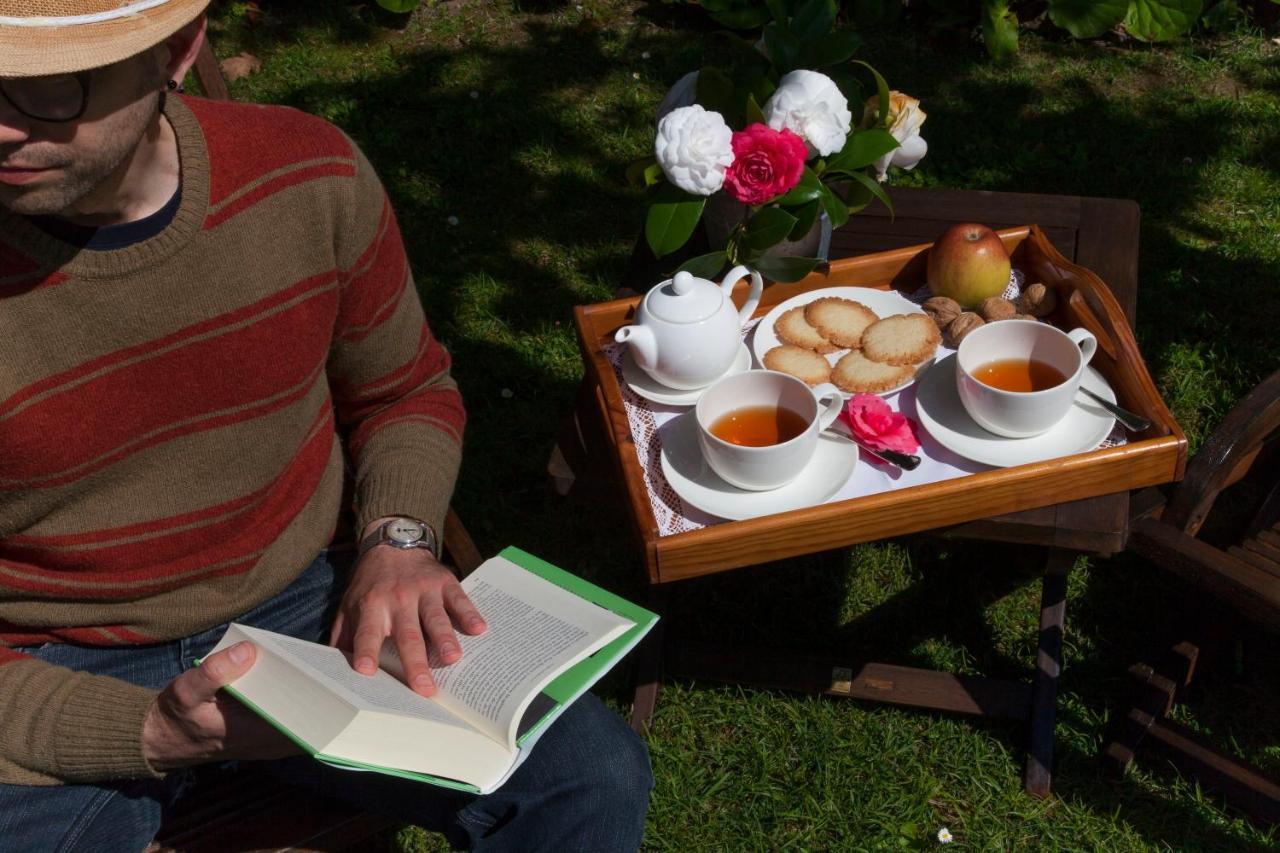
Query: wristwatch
[402,532]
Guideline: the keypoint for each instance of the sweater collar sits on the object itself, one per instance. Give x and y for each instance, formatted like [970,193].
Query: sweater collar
[53,254]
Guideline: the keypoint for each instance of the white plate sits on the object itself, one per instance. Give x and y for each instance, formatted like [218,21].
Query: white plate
[885,303]
[694,481]
[651,389]
[943,415]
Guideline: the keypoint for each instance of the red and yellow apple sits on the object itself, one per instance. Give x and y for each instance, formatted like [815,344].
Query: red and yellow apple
[968,263]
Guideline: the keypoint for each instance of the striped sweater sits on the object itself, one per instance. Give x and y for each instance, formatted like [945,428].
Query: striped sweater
[173,417]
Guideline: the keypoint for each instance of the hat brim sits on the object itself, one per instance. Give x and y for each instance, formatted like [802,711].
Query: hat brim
[40,51]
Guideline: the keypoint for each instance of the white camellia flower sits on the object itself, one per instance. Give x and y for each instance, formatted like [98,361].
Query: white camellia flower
[905,119]
[811,105]
[694,147]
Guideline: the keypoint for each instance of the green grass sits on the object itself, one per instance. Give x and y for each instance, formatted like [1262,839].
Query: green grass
[514,209]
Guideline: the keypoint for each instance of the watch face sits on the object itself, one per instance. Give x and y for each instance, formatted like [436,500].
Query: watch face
[404,531]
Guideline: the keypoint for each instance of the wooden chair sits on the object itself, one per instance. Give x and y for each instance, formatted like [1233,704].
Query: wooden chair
[1244,578]
[249,809]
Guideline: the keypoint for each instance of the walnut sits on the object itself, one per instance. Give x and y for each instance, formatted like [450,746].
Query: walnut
[943,309]
[962,326]
[994,308]
[1037,300]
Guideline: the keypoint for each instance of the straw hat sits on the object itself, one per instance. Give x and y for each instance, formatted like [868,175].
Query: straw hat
[39,37]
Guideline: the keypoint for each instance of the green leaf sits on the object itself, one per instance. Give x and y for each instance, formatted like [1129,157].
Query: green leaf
[638,172]
[768,226]
[856,195]
[882,91]
[785,270]
[849,86]
[399,6]
[715,93]
[831,49]
[999,29]
[837,210]
[705,266]
[814,18]
[861,149]
[672,217]
[874,187]
[754,115]
[750,18]
[805,216]
[1161,20]
[777,10]
[809,188]
[1086,19]
[782,46]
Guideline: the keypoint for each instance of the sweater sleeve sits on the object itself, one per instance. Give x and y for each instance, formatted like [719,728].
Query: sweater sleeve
[65,727]
[395,400]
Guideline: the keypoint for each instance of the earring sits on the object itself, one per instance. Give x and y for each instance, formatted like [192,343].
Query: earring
[175,86]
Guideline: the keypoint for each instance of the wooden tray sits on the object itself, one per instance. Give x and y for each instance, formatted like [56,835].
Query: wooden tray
[1155,457]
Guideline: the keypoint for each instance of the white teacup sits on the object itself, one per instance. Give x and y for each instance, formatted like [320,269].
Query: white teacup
[771,466]
[1021,414]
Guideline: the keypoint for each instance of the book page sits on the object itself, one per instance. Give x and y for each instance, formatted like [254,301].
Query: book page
[536,630]
[379,692]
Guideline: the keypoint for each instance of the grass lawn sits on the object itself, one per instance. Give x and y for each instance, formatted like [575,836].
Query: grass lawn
[502,130]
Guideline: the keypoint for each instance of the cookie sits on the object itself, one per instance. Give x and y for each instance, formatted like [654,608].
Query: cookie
[841,321]
[901,339]
[804,364]
[791,328]
[855,373]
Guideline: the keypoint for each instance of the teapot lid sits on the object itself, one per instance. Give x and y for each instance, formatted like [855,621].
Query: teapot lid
[684,299]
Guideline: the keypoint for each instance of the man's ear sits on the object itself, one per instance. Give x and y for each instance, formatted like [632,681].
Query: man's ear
[182,48]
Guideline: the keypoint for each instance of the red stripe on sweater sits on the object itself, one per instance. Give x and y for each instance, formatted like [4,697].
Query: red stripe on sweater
[263,139]
[297,290]
[370,294]
[150,572]
[9,656]
[188,389]
[274,185]
[171,549]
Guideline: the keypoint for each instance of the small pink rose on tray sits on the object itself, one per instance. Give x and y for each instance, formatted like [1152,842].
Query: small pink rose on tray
[871,420]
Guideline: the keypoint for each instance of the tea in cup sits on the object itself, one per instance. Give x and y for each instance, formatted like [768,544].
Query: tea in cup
[1018,378]
[757,430]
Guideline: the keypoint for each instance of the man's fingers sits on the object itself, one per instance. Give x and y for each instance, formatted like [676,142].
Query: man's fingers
[367,643]
[215,671]
[412,648]
[440,631]
[464,612]
[335,633]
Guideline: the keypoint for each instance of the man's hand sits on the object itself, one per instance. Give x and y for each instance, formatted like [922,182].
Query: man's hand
[410,596]
[191,722]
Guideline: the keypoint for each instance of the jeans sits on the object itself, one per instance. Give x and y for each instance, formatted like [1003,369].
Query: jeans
[584,787]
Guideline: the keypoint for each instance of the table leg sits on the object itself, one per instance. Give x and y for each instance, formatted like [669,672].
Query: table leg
[649,663]
[1044,682]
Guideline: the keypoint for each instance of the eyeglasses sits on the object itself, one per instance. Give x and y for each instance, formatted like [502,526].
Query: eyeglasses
[56,99]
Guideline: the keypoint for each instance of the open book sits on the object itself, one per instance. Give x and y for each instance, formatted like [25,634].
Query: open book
[551,635]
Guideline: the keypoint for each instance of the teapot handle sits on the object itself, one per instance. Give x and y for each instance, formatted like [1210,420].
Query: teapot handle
[753,297]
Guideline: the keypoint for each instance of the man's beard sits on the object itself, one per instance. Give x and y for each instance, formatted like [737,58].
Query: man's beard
[79,172]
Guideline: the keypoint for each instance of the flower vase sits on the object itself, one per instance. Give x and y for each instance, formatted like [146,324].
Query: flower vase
[723,213]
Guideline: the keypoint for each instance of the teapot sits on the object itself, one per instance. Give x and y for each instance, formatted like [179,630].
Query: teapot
[687,331]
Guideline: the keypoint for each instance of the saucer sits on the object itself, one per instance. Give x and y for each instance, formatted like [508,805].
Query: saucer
[944,417]
[654,391]
[693,480]
[884,302]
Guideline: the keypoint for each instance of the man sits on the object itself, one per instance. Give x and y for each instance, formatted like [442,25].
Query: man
[201,306]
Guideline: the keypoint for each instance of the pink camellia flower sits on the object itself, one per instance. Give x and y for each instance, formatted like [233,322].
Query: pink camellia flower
[871,420]
[766,163]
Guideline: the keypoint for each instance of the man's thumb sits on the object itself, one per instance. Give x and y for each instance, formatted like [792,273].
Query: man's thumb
[229,664]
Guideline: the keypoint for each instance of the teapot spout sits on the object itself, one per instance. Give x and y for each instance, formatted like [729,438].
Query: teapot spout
[643,345]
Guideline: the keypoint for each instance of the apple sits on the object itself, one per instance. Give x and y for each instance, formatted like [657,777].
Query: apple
[968,263]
